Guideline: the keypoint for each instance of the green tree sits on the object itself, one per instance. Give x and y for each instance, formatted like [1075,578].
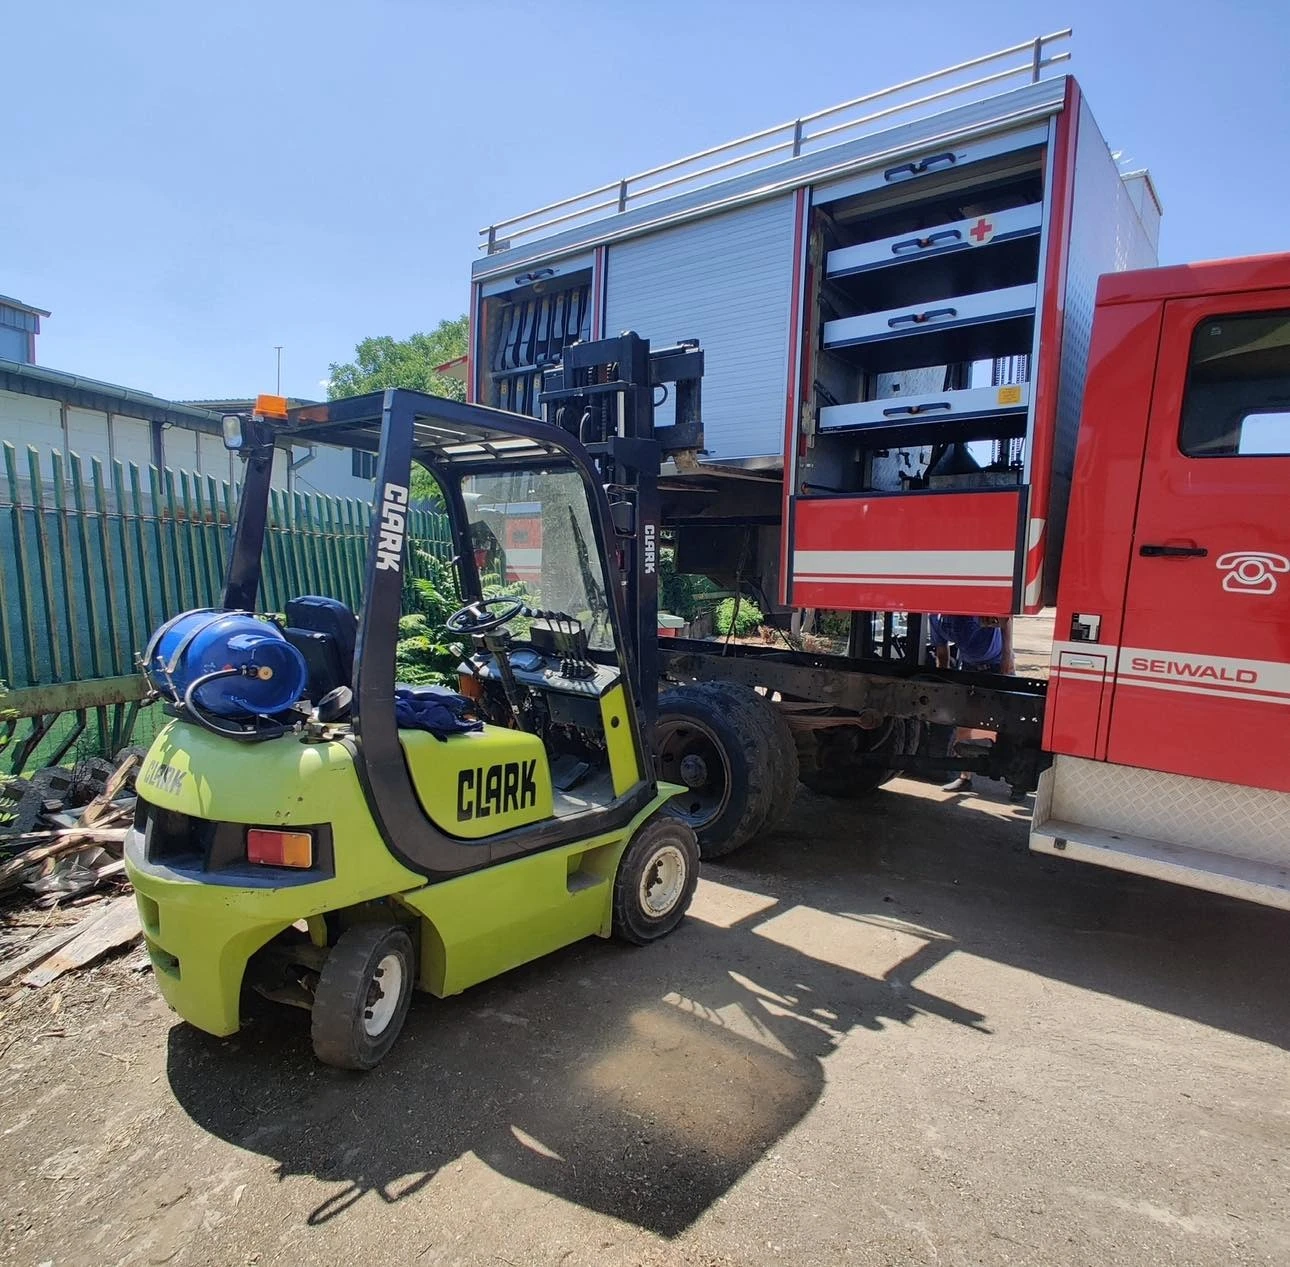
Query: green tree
[384,361]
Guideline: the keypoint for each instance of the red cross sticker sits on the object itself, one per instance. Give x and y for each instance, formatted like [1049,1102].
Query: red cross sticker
[981,232]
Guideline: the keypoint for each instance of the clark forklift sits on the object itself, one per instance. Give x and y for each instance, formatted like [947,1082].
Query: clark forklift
[309,828]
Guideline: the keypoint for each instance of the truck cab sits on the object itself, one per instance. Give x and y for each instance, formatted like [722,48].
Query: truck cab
[1168,711]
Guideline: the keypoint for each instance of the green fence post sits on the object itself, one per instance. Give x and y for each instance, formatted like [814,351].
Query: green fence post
[87,576]
[44,562]
[170,600]
[133,587]
[25,596]
[113,599]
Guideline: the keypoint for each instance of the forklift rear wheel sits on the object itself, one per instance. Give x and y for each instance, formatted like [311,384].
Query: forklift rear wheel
[362,996]
[722,747]
[655,881]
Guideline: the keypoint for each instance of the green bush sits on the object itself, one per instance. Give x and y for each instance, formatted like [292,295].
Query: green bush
[424,655]
[833,624]
[745,620]
[433,595]
[680,593]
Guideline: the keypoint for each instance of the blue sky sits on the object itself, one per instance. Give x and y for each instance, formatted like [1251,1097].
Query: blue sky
[186,186]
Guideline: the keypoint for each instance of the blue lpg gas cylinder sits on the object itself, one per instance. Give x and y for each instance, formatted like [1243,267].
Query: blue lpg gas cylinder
[272,677]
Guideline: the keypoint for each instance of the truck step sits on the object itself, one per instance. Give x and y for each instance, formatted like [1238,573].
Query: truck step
[1262,882]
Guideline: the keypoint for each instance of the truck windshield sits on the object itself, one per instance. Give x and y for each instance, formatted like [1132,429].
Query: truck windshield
[532,537]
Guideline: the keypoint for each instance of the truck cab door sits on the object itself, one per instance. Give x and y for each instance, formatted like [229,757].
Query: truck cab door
[1202,685]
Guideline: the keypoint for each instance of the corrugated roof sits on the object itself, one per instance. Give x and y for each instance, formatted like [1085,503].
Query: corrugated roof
[17,303]
[241,404]
[93,393]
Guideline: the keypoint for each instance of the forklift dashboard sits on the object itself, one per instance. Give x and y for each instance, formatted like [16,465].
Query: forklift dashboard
[546,673]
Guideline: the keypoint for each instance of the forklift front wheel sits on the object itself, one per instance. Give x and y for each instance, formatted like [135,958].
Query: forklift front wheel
[655,881]
[362,996]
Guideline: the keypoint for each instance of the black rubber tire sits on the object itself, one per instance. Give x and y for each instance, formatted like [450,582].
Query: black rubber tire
[663,837]
[740,739]
[761,714]
[828,760]
[341,999]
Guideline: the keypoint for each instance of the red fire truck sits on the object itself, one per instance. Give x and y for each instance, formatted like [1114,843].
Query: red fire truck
[920,398]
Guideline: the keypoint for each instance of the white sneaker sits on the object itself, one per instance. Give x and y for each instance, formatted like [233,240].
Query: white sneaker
[962,784]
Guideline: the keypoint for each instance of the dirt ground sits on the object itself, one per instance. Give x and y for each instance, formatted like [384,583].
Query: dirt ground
[887,1036]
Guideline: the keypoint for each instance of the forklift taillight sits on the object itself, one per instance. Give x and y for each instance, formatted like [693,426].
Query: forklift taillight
[279,848]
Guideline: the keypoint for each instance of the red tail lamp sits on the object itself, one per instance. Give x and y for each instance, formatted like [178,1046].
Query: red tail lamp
[279,848]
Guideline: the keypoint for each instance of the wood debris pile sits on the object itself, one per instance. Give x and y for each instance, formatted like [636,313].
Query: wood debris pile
[62,835]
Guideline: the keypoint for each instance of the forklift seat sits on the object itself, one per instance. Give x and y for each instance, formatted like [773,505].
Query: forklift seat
[324,631]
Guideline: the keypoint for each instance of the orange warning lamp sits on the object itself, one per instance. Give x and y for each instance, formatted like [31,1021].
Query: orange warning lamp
[271,407]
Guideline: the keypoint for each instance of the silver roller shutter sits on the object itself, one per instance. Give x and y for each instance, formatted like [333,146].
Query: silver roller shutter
[725,280]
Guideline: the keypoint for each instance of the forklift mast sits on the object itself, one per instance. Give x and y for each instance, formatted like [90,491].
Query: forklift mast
[603,393]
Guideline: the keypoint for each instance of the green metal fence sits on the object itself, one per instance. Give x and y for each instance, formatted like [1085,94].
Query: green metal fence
[92,560]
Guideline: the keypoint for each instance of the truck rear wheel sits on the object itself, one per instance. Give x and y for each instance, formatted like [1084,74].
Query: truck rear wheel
[727,747]
[362,996]
[834,761]
[781,751]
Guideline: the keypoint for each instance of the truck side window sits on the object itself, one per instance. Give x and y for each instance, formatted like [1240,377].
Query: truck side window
[1237,399]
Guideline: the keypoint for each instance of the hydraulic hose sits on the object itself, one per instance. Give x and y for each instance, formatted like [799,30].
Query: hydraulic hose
[257,735]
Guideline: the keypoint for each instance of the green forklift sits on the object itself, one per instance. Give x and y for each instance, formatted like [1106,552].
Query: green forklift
[310,828]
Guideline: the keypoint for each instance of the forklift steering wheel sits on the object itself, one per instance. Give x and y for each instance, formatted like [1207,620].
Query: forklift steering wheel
[478,617]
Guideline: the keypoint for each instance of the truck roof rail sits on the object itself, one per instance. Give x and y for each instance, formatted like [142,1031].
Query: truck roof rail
[773,144]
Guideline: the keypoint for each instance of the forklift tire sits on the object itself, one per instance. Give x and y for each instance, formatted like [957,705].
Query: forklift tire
[362,996]
[781,750]
[722,750]
[830,761]
[655,881]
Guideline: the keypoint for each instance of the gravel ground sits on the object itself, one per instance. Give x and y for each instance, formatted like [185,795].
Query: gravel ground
[888,1035]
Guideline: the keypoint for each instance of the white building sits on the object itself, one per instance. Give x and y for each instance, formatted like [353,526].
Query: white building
[52,409]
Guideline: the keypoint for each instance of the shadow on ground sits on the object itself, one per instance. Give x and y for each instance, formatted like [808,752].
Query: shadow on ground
[644,1083]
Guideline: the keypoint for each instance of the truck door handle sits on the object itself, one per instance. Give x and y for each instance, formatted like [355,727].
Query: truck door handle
[919,168]
[1173,552]
[918,318]
[909,245]
[916,409]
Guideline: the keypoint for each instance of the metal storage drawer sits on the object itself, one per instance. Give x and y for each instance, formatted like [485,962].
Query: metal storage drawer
[933,407]
[961,236]
[938,332]
[936,161]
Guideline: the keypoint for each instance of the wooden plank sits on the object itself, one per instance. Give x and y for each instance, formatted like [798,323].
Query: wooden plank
[15,967]
[116,926]
[69,841]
